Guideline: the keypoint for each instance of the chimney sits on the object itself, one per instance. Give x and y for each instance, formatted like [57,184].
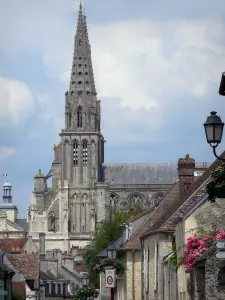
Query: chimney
[42,243]
[186,167]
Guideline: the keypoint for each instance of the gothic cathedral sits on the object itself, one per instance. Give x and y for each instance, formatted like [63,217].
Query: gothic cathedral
[83,186]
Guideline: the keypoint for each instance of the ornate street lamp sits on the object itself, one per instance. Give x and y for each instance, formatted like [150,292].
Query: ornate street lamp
[111,252]
[214,131]
[85,280]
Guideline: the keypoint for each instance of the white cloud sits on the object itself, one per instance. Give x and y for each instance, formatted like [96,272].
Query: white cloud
[16,101]
[6,152]
[148,63]
[143,65]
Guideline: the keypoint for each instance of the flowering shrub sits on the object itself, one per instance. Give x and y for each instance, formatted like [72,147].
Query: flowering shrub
[197,245]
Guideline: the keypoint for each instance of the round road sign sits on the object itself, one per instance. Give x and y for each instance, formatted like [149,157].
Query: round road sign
[109,280]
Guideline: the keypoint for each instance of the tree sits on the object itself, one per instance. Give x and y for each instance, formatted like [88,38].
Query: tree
[108,231]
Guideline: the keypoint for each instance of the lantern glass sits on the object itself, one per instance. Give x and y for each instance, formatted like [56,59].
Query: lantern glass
[85,280]
[111,252]
[213,129]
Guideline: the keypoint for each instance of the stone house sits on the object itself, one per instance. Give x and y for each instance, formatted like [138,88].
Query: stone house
[11,225]
[181,212]
[128,286]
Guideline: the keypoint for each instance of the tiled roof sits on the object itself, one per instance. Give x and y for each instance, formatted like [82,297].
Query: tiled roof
[7,245]
[27,265]
[172,208]
[134,242]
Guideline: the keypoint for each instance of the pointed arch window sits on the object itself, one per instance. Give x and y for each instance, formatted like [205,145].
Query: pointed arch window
[79,117]
[85,153]
[75,153]
[52,221]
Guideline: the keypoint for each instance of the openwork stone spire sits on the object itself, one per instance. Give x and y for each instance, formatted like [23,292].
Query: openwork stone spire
[82,110]
[82,78]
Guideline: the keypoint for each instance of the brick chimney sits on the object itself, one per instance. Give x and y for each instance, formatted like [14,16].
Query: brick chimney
[42,244]
[186,168]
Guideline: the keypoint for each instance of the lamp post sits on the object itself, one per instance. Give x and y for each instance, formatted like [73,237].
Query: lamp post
[85,281]
[111,253]
[64,290]
[214,131]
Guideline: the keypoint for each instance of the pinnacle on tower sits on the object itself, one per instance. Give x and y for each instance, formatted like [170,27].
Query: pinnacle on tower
[82,77]
[82,110]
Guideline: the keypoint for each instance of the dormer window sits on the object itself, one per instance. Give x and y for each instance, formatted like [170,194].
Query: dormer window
[79,82]
[79,73]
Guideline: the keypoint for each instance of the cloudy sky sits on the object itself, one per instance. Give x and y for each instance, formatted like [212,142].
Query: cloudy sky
[157,68]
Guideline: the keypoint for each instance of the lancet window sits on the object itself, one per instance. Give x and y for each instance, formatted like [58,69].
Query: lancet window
[85,154]
[79,117]
[52,221]
[75,153]
[114,201]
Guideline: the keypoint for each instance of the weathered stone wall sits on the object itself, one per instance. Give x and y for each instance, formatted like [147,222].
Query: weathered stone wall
[157,246]
[133,275]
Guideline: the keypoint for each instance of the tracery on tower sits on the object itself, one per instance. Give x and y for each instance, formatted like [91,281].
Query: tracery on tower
[75,153]
[85,155]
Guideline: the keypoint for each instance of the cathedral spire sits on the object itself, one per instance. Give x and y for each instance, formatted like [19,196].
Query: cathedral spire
[82,78]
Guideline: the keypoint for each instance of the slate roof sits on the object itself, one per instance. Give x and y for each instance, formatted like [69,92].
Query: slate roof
[144,173]
[115,245]
[8,245]
[28,265]
[134,242]
[22,223]
[149,173]
[171,209]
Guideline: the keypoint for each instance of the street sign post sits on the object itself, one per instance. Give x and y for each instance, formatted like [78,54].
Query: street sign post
[220,244]
[110,278]
[220,254]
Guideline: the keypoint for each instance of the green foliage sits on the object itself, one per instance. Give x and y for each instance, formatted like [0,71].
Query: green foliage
[108,231]
[85,292]
[16,296]
[218,181]
[116,264]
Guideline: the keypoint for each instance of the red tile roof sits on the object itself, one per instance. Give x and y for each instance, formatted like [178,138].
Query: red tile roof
[172,208]
[27,265]
[7,245]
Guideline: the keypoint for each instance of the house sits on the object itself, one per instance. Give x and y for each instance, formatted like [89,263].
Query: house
[6,275]
[178,215]
[128,249]
[40,273]
[11,225]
